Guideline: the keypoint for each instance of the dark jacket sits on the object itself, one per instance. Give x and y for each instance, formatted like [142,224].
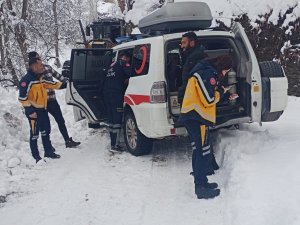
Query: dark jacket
[48,75]
[116,77]
[201,95]
[190,59]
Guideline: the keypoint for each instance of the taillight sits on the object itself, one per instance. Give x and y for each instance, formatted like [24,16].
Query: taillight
[158,92]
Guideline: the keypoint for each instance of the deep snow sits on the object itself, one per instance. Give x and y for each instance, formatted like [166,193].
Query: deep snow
[259,176]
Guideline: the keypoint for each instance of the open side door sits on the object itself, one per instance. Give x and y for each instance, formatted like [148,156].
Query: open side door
[249,69]
[88,71]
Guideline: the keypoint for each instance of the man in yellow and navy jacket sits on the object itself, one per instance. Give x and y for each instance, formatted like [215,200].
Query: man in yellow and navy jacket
[198,112]
[33,97]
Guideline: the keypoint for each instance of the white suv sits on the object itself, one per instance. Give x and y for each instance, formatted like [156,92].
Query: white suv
[150,103]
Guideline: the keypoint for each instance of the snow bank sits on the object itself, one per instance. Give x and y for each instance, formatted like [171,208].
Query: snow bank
[260,166]
[15,156]
[14,145]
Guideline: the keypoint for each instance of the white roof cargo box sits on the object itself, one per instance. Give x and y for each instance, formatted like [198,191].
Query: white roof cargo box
[177,17]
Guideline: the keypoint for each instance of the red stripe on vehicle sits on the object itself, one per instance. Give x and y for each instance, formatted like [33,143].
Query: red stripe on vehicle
[137,99]
[128,100]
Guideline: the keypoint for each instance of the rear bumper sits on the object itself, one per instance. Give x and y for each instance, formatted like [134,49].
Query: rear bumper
[154,122]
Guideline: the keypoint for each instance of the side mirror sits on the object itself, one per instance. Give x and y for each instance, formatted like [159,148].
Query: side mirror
[88,31]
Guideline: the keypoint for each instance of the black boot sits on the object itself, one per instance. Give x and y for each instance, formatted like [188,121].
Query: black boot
[52,156]
[208,186]
[116,149]
[71,144]
[203,192]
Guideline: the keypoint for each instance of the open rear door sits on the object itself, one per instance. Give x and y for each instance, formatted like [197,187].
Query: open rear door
[88,71]
[249,69]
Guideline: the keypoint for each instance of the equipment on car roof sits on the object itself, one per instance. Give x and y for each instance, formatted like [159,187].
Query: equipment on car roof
[177,17]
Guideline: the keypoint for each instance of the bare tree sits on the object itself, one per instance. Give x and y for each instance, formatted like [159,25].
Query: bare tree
[19,29]
[56,34]
[122,5]
[6,61]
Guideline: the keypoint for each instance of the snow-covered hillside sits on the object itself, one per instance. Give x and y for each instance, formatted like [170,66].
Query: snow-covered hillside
[259,176]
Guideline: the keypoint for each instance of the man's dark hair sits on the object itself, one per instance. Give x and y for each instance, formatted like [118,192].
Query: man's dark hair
[32,54]
[125,53]
[191,36]
[32,61]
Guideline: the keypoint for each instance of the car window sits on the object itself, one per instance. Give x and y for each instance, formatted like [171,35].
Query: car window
[90,64]
[141,60]
[79,66]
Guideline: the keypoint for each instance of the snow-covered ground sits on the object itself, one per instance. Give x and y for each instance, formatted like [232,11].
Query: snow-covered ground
[259,176]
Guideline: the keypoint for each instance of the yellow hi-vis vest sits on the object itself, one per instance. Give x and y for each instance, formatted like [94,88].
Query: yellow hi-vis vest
[198,98]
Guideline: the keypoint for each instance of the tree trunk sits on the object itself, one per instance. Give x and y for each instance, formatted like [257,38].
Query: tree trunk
[20,30]
[7,66]
[122,5]
[9,63]
[2,49]
[56,38]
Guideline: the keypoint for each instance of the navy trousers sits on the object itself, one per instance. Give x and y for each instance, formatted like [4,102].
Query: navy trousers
[114,107]
[40,124]
[54,109]
[200,141]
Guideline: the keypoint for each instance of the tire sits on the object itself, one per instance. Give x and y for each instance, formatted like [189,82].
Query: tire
[269,69]
[137,144]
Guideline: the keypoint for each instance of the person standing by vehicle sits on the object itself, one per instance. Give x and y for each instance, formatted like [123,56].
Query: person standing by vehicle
[53,106]
[114,88]
[33,97]
[198,112]
[191,53]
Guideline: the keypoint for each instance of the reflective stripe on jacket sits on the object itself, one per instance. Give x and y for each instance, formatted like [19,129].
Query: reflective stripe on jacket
[33,92]
[201,96]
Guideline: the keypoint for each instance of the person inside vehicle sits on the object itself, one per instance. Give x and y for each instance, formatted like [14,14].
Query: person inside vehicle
[198,112]
[53,106]
[191,53]
[113,91]
[33,97]
[174,71]
[222,82]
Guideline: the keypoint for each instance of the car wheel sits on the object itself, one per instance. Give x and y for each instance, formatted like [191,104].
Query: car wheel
[137,143]
[269,69]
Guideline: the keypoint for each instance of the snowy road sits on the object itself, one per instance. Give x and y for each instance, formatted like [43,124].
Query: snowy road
[92,186]
[259,181]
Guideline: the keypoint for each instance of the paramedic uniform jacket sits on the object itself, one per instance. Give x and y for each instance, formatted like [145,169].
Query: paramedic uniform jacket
[116,76]
[33,92]
[201,95]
